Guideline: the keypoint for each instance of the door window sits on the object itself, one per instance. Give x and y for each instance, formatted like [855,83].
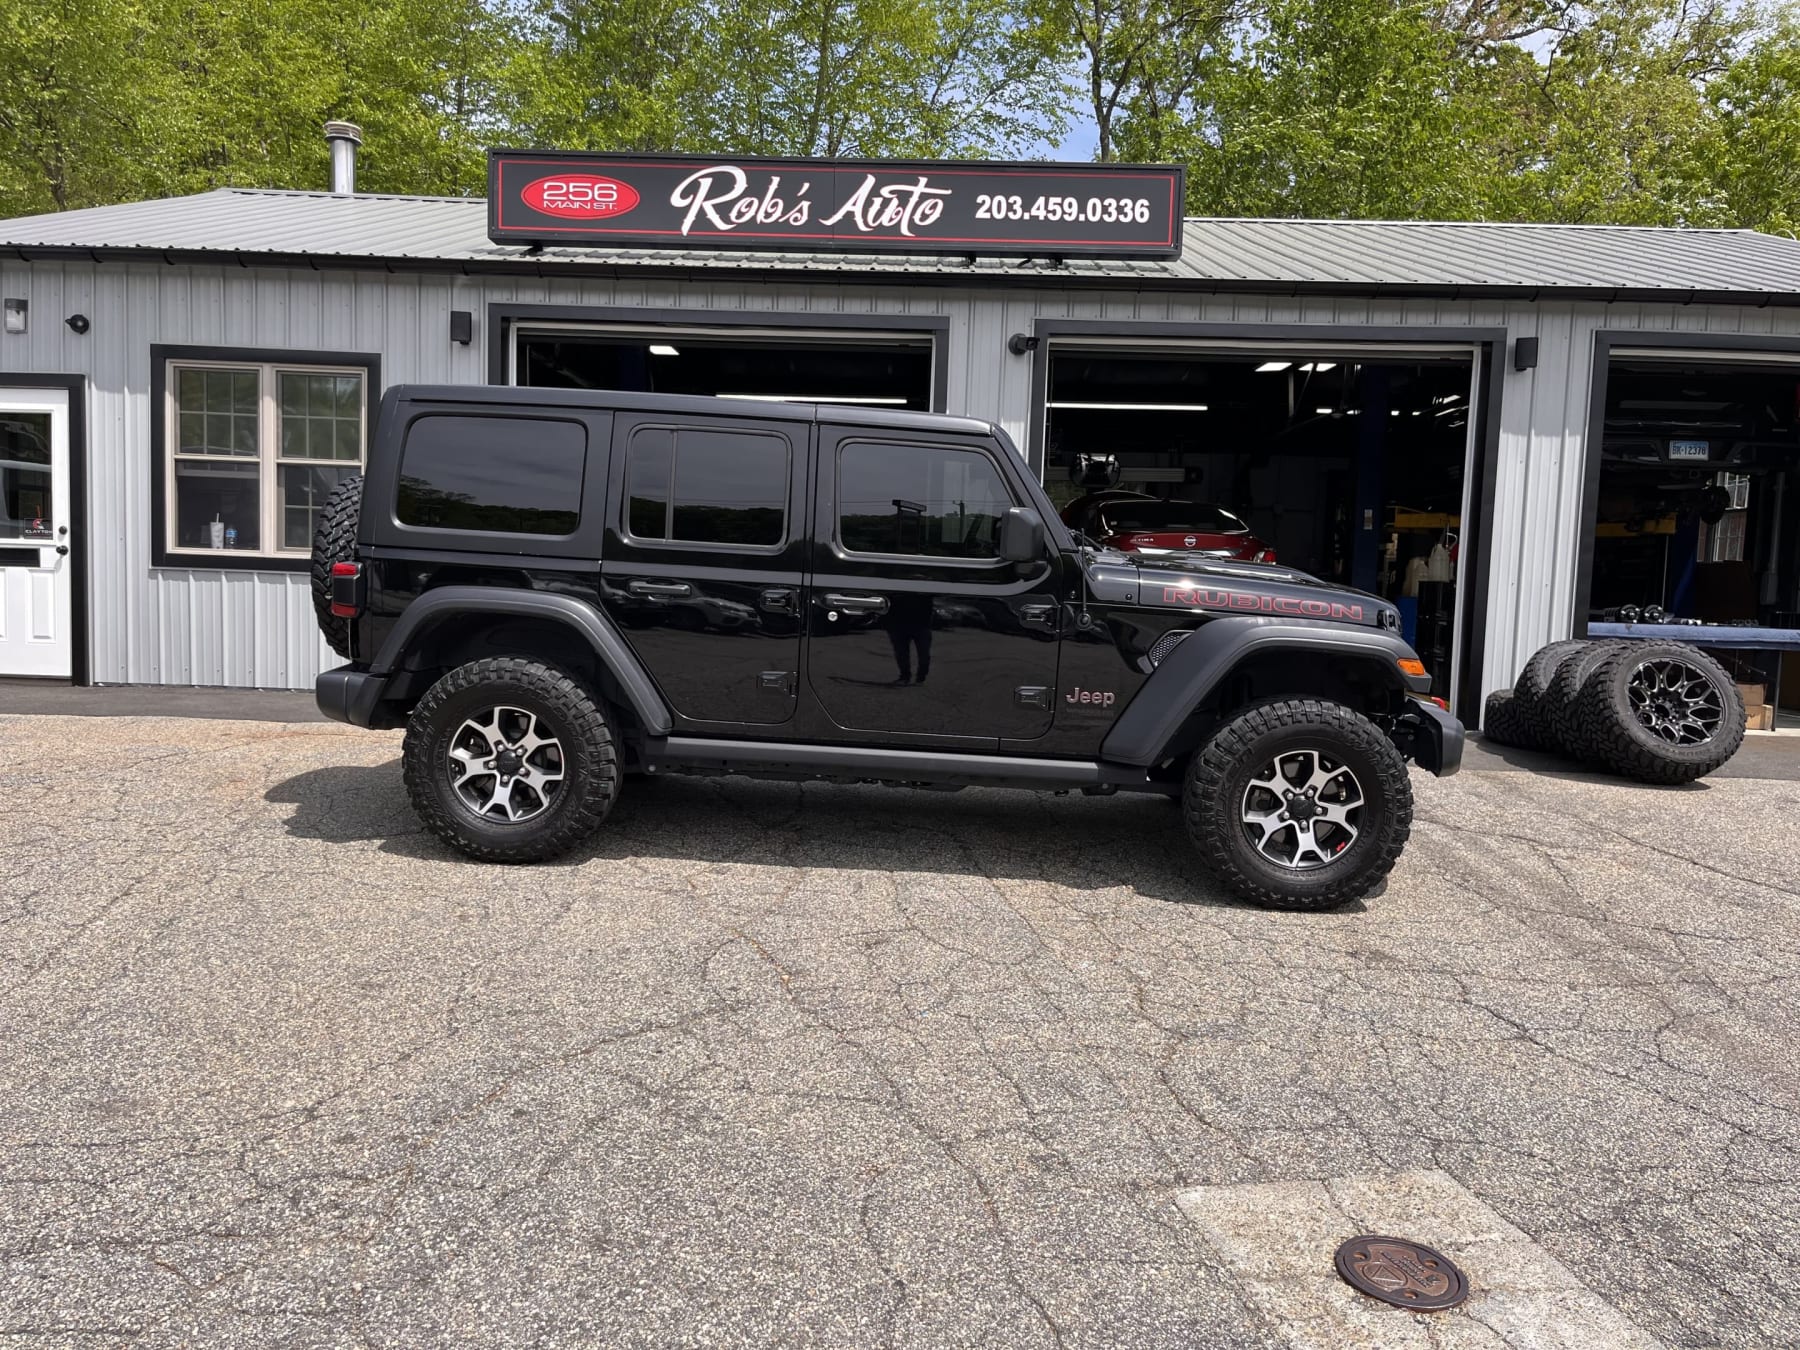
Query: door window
[696,486]
[919,500]
[26,508]
[496,475]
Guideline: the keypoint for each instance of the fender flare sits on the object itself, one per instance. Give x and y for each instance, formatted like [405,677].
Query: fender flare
[435,607]
[1200,664]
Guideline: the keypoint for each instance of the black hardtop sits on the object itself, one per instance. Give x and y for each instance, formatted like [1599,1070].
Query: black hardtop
[687,405]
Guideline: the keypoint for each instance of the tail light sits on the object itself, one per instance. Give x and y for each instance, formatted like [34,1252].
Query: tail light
[346,589]
[1264,555]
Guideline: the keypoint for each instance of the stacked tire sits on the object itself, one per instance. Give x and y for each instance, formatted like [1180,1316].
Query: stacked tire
[1654,712]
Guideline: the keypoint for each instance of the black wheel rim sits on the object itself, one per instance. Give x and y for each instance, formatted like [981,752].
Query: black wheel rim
[1675,701]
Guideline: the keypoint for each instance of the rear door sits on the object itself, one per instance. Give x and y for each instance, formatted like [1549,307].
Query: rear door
[703,562]
[916,627]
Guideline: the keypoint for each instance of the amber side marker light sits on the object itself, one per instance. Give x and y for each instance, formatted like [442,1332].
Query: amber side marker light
[1410,665]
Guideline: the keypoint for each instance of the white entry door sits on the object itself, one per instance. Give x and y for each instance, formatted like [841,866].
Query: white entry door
[36,587]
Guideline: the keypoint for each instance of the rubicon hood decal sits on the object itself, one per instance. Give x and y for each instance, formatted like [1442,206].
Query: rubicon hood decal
[1249,602]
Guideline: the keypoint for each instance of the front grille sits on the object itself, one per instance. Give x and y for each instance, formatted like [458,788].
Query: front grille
[1167,643]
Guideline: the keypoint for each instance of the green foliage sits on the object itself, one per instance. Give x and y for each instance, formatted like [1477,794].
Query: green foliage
[1653,111]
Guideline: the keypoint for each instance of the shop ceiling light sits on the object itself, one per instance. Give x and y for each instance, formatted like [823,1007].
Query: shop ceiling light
[663,349]
[1319,365]
[819,398]
[1324,412]
[1446,398]
[1135,407]
[1273,365]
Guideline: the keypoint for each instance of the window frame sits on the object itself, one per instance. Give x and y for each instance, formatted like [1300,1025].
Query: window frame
[901,441]
[165,361]
[675,428]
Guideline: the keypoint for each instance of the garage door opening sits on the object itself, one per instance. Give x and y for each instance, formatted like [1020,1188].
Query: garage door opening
[888,370]
[1697,515]
[1347,464]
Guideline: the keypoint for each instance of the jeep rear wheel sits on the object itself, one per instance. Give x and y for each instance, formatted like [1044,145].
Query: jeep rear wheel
[1298,804]
[509,760]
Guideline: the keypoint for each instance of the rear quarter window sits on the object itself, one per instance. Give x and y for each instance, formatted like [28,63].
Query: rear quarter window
[492,475]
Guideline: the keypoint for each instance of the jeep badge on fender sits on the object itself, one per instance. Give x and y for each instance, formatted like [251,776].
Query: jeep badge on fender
[542,656]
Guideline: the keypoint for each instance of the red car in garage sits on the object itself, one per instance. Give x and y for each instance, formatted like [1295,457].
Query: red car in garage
[1133,522]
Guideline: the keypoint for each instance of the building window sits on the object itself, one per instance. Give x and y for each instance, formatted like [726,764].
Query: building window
[256,450]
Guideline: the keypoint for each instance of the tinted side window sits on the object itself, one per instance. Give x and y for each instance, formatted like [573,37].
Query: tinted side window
[500,475]
[692,485]
[923,500]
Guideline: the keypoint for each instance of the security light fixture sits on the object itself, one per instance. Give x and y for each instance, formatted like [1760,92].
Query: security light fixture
[17,314]
[462,326]
[1267,366]
[78,324]
[1135,407]
[663,349]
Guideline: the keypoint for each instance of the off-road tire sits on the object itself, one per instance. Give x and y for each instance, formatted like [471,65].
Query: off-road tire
[1623,744]
[335,541]
[1569,734]
[590,781]
[1504,724]
[1219,775]
[1531,690]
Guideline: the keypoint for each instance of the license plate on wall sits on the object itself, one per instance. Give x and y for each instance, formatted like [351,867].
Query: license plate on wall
[1690,450]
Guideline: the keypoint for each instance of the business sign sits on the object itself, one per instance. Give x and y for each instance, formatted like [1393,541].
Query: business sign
[936,207]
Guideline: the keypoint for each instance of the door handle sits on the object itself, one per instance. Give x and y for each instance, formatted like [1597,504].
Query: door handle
[857,604]
[672,589]
[62,550]
[778,600]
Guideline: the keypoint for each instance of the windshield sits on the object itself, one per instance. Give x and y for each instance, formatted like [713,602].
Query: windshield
[1188,517]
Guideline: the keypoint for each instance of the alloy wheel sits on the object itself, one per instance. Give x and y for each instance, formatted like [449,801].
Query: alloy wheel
[504,766]
[1302,809]
[1675,702]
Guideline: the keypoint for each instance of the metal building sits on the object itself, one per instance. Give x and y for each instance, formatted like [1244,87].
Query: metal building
[179,362]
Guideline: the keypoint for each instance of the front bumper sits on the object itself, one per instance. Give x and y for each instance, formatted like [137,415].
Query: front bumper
[349,695]
[1430,737]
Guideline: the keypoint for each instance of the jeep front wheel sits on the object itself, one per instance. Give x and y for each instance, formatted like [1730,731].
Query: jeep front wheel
[1299,804]
[509,760]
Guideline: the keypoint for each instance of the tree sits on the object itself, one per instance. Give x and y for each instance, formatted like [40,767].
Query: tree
[1140,61]
[1747,165]
[81,104]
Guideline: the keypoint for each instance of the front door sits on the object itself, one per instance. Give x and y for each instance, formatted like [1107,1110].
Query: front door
[916,626]
[36,587]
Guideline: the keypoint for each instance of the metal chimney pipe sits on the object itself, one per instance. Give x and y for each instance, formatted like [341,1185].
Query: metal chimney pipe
[343,138]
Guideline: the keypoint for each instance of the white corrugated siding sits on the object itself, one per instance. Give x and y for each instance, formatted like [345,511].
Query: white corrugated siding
[193,626]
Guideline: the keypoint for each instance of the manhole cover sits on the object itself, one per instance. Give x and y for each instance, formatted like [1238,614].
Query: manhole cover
[1402,1273]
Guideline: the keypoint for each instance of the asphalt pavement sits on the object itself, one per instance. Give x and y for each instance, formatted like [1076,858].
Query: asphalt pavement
[771,1064]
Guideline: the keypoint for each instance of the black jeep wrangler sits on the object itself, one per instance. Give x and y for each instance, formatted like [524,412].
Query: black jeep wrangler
[553,591]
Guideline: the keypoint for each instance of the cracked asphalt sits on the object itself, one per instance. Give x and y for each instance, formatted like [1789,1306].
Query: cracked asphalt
[771,1064]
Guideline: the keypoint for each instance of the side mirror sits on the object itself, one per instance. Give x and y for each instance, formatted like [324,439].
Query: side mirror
[1021,535]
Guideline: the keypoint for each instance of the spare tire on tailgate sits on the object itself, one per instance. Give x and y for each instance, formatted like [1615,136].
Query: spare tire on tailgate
[335,541]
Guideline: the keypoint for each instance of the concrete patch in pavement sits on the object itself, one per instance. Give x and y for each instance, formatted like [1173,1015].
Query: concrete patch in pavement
[1277,1238]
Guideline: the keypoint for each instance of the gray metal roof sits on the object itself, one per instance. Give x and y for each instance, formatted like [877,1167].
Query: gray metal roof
[317,229]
